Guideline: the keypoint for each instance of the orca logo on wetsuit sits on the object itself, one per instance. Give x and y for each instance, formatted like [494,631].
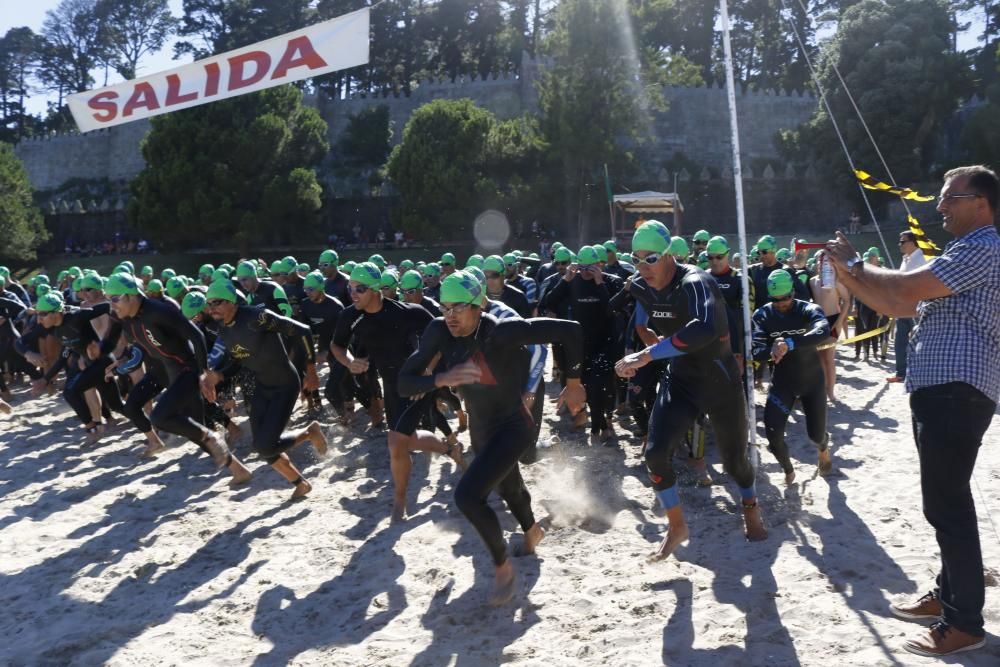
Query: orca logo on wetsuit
[150,338]
[785,334]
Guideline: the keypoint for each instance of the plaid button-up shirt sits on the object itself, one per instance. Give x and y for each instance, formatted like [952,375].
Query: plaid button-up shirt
[957,337]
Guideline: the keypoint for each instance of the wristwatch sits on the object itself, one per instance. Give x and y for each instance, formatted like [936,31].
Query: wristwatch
[855,261]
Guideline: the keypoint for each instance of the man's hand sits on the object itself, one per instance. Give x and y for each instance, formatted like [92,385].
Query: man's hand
[598,275]
[570,272]
[358,366]
[208,381]
[629,364]
[35,359]
[465,373]
[779,350]
[840,250]
[109,372]
[573,395]
[311,381]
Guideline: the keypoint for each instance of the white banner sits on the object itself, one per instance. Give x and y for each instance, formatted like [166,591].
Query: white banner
[333,45]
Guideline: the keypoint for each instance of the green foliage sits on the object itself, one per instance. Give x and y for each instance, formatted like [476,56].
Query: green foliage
[215,26]
[897,62]
[21,225]
[237,169]
[365,144]
[132,29]
[981,134]
[456,160]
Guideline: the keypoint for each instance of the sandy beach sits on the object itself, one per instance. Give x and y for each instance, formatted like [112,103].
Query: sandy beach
[109,559]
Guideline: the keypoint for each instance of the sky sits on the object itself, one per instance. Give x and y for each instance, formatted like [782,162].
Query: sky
[14,13]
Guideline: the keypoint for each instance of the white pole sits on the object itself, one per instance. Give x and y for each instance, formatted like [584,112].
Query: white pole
[742,229]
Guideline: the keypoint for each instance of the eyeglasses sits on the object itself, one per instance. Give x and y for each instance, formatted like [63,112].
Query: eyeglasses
[716,257]
[214,303]
[458,308]
[959,195]
[358,289]
[412,291]
[275,275]
[902,241]
[492,275]
[651,258]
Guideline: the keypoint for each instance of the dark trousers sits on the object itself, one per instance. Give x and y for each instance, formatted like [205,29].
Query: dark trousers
[949,421]
[904,325]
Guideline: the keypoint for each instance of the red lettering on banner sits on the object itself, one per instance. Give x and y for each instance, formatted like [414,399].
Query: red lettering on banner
[298,53]
[212,84]
[174,95]
[143,96]
[104,102]
[237,75]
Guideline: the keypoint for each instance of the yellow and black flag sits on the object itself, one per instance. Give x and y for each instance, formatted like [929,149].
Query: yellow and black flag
[929,247]
[869,183]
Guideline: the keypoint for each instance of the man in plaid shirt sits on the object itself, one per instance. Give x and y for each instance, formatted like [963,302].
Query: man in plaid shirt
[954,382]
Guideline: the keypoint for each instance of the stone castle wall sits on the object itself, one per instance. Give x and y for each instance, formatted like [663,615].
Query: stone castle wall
[696,123]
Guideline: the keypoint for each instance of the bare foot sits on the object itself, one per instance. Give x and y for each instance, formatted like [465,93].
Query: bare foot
[302,489]
[700,467]
[398,512]
[503,585]
[532,537]
[233,434]
[754,524]
[216,448]
[454,451]
[580,420]
[153,448]
[825,462]
[318,438]
[676,535]
[95,433]
[789,478]
[240,474]
[5,407]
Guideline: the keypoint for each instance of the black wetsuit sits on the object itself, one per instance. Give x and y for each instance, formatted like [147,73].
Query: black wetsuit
[432,306]
[175,354]
[337,287]
[255,341]
[389,336]
[11,310]
[295,295]
[758,276]
[515,298]
[731,286]
[589,305]
[501,425]
[433,292]
[798,375]
[322,320]
[691,314]
[76,333]
[271,296]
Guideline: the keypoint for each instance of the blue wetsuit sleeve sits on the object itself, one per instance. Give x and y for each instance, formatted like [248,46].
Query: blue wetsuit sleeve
[665,349]
[641,316]
[817,324]
[700,331]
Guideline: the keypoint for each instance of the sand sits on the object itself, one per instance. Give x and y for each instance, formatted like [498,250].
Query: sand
[109,559]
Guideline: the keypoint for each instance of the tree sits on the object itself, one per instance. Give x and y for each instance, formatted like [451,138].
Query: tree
[981,134]
[456,160]
[365,144]
[216,26]
[22,227]
[897,62]
[238,169]
[133,29]
[75,44]
[20,50]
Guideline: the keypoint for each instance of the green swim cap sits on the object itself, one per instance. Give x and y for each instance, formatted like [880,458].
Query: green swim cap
[130,265]
[652,236]
[302,268]
[462,287]
[193,303]
[74,272]
[432,269]
[92,281]
[122,284]
[518,253]
[329,256]
[59,278]
[40,291]
[702,235]
[377,260]
[779,283]
[493,263]
[766,242]
[737,257]
[478,273]
[42,279]
[175,287]
[611,246]
[349,267]
[474,260]
[289,265]
[50,303]
[405,265]
[510,259]
[5,272]
[77,284]
[154,286]
[121,268]
[220,274]
[533,255]
[562,254]
[717,245]
[448,259]
[221,289]
[389,279]
[146,271]
[874,252]
[678,247]
[167,274]
[246,269]
[368,274]
[277,266]
[783,254]
[411,280]
[588,255]
[314,280]
[206,270]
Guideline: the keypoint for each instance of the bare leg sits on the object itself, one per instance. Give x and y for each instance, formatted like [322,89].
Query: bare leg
[93,401]
[153,445]
[677,533]
[241,475]
[828,360]
[400,446]
[288,470]
[503,585]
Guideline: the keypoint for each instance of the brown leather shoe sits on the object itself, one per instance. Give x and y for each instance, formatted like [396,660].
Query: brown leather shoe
[927,606]
[941,639]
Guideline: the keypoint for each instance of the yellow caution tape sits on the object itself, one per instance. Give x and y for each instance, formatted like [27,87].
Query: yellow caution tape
[925,244]
[855,339]
[869,182]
